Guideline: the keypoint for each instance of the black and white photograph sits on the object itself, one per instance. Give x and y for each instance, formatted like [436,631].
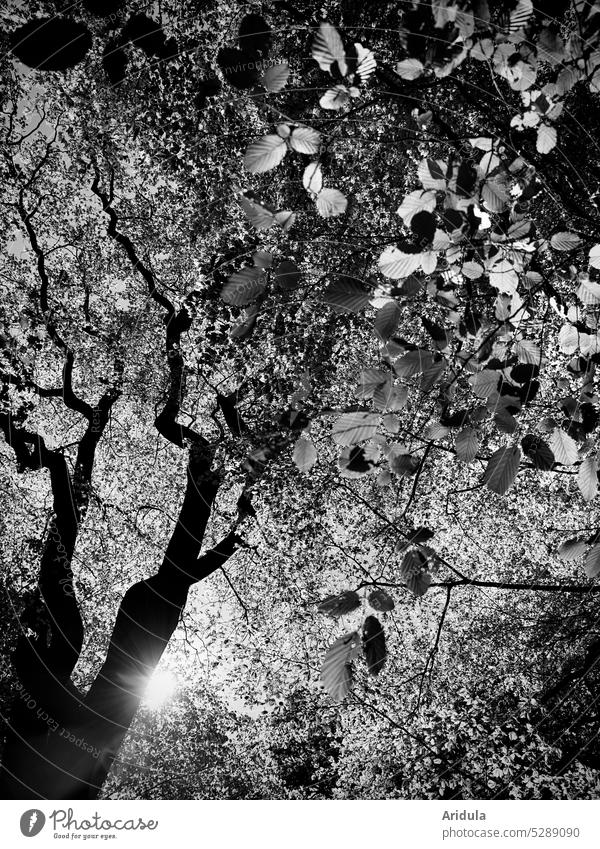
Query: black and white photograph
[299,408]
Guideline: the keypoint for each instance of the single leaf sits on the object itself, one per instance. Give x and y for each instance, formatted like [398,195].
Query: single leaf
[432,374]
[546,138]
[285,219]
[472,270]
[572,549]
[262,259]
[503,276]
[520,15]
[370,379]
[404,465]
[305,140]
[414,202]
[259,215]
[386,320]
[396,264]
[528,351]
[592,562]
[432,173]
[264,154]
[346,295]
[594,256]
[380,600]
[374,649]
[305,454]
[327,48]
[588,292]
[352,428]
[502,468]
[563,447]
[538,452]
[336,673]
[340,604]
[244,324]
[565,241]
[413,573]
[243,287]
[568,339]
[485,383]
[312,178]
[335,98]
[587,478]
[366,63]
[275,78]
[410,69]
[495,193]
[466,444]
[413,362]
[331,203]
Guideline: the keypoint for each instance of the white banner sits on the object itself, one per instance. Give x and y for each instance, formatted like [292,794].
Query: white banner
[286,825]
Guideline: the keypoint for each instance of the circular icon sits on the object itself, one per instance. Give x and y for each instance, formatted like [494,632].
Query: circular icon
[32,822]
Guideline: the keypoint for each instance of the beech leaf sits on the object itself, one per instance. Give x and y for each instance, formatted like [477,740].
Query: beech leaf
[336,673]
[502,468]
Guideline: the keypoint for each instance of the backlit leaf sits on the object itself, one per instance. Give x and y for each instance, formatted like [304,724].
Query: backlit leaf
[305,454]
[312,178]
[546,138]
[335,98]
[485,383]
[336,673]
[327,48]
[396,264]
[563,447]
[264,154]
[275,78]
[587,478]
[352,428]
[340,604]
[370,379]
[588,292]
[386,320]
[305,140]
[594,256]
[380,600]
[466,444]
[592,562]
[572,549]
[418,201]
[330,203]
[244,286]
[565,241]
[346,295]
[502,468]
[410,69]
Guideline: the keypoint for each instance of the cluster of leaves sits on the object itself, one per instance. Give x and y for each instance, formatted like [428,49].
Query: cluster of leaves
[336,671]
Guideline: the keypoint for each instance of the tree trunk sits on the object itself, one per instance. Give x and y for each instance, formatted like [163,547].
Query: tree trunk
[61,744]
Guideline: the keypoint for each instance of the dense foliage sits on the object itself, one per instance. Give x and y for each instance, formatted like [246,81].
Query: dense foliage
[356,247]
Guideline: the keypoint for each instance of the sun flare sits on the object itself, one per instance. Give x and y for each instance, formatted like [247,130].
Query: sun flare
[160,689]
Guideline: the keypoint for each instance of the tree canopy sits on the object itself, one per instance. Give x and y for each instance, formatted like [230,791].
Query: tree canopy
[301,301]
